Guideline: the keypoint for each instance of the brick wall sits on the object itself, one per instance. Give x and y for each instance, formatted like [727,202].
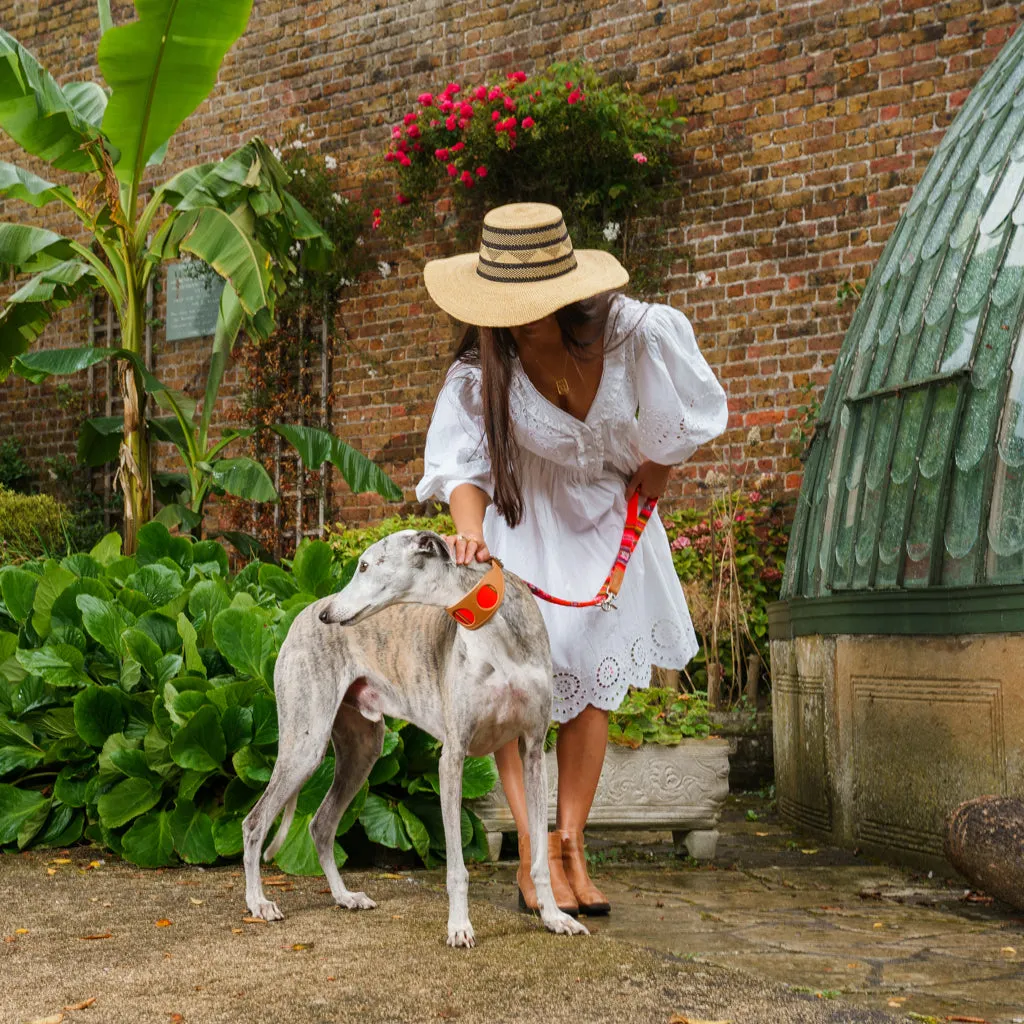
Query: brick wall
[809,124]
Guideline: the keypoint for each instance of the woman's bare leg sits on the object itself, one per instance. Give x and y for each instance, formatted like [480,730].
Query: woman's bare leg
[581,746]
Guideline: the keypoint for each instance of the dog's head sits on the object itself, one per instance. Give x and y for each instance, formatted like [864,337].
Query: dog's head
[404,568]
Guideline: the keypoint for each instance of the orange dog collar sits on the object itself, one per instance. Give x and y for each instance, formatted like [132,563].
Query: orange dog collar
[480,604]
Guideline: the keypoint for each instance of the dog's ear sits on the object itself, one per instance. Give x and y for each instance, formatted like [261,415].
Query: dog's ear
[431,545]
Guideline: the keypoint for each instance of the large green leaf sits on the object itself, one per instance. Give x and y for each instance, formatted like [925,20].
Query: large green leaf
[99,713]
[89,100]
[16,807]
[312,567]
[245,478]
[104,621]
[200,743]
[37,114]
[192,830]
[298,855]
[229,321]
[54,582]
[17,183]
[27,247]
[416,830]
[127,800]
[159,583]
[18,589]
[59,664]
[479,776]
[252,767]
[317,446]
[99,440]
[149,842]
[245,639]
[61,361]
[23,319]
[383,823]
[160,68]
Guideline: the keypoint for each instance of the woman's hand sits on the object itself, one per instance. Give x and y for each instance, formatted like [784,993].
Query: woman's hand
[468,549]
[649,480]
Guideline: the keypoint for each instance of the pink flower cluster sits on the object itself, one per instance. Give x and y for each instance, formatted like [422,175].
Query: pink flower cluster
[455,116]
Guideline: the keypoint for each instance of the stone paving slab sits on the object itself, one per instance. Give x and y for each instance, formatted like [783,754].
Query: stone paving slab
[817,919]
[171,947]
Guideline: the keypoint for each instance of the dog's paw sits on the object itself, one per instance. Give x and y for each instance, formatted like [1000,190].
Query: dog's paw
[355,901]
[265,909]
[563,924]
[461,936]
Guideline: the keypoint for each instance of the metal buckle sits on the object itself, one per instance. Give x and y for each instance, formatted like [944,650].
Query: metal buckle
[608,604]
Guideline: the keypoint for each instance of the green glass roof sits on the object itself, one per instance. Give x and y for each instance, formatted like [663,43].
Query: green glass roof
[915,474]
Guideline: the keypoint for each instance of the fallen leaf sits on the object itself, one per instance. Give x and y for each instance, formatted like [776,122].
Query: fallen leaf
[61,860]
[176,1018]
[21,931]
[389,874]
[51,871]
[163,923]
[396,917]
[852,967]
[101,935]
[10,938]
[237,931]
[1008,951]
[761,834]
[331,977]
[278,883]
[969,1020]
[195,902]
[254,920]
[298,947]
[84,1004]
[809,851]
[94,864]
[878,924]
[55,1019]
[273,879]
[897,1001]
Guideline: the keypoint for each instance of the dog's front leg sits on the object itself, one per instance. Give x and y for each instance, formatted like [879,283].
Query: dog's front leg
[531,750]
[460,931]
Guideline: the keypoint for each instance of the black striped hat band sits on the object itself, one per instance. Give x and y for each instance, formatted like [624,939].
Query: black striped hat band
[528,255]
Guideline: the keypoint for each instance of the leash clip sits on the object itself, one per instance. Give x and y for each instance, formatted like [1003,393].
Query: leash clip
[608,604]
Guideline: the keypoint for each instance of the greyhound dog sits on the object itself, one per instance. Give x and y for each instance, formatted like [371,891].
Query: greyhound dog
[384,645]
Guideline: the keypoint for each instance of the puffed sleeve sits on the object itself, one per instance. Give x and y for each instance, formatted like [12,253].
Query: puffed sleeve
[682,405]
[456,449]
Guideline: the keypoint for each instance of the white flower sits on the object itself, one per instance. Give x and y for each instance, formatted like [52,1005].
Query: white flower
[339,199]
[298,144]
[385,268]
[309,134]
[714,479]
[703,279]
[359,241]
[276,152]
[330,163]
[301,172]
[611,231]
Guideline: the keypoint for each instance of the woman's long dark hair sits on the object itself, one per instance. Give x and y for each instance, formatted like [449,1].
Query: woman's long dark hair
[493,349]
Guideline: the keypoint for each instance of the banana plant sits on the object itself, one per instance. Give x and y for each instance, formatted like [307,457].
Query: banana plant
[235,214]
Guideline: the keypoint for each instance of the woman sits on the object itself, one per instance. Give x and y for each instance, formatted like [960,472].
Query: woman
[564,399]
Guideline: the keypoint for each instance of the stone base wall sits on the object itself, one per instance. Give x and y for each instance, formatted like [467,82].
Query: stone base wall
[878,738]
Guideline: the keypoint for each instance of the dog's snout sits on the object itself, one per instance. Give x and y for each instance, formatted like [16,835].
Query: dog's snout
[325,616]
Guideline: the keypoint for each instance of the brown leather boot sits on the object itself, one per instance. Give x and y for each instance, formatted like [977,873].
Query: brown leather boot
[589,898]
[564,898]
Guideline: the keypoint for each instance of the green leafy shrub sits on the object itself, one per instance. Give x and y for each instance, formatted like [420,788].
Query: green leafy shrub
[562,136]
[658,715]
[348,542]
[137,709]
[30,525]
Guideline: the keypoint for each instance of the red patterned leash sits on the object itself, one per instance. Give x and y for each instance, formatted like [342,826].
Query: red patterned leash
[637,517]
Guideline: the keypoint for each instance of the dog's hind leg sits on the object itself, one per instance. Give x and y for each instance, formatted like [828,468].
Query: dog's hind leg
[300,750]
[357,745]
[531,750]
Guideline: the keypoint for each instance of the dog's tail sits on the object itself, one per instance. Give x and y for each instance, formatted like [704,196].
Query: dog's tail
[282,833]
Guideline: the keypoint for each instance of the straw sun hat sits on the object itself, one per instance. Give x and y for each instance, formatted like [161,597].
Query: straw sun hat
[526,269]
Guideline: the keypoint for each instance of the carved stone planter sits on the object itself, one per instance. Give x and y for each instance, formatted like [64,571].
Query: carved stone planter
[680,789]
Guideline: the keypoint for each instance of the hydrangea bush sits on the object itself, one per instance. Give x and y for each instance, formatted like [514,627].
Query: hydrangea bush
[562,136]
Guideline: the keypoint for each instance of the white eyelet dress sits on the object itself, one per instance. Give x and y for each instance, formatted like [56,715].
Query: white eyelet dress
[573,475]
